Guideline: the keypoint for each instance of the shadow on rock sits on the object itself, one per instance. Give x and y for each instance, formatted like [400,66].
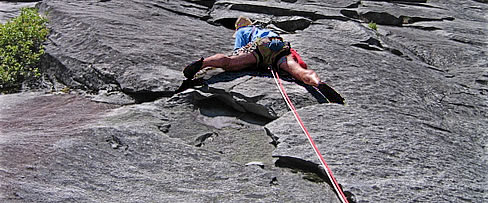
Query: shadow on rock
[214,107]
[311,172]
[320,94]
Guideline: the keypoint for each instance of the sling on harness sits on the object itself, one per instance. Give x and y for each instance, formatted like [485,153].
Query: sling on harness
[298,58]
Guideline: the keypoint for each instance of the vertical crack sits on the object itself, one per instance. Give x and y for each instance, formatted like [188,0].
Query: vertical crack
[274,139]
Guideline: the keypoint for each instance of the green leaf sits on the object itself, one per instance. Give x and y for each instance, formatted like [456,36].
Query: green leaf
[21,47]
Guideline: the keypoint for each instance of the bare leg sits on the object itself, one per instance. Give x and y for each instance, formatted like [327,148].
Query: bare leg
[230,63]
[307,76]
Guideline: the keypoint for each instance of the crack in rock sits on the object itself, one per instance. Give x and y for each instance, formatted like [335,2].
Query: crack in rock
[274,139]
[311,172]
[207,137]
[236,101]
[164,128]
[148,96]
[116,143]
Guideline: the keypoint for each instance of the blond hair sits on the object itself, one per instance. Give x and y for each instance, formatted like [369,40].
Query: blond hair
[242,22]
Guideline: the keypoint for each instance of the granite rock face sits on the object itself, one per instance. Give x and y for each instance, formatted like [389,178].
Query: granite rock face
[414,127]
[10,9]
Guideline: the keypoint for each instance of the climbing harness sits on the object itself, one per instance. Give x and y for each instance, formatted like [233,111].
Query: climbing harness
[290,105]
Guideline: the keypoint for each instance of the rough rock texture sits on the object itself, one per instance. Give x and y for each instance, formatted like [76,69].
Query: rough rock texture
[414,127]
[133,154]
[411,158]
[10,9]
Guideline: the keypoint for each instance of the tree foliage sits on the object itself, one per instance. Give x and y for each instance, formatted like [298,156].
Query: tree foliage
[21,40]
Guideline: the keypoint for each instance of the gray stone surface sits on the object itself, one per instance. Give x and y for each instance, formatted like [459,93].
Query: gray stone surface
[10,9]
[414,127]
[380,154]
[137,153]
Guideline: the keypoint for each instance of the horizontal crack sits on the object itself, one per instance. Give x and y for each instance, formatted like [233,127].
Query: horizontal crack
[148,96]
[238,102]
[178,12]
[437,128]
[201,140]
[215,106]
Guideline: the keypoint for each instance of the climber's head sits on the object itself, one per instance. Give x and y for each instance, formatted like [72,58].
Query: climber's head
[242,22]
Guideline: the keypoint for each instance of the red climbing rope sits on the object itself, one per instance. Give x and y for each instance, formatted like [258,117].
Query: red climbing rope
[328,171]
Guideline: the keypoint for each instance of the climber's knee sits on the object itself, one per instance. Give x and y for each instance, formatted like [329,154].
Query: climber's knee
[311,78]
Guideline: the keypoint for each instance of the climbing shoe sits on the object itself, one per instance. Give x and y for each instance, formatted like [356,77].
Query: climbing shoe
[193,68]
[331,95]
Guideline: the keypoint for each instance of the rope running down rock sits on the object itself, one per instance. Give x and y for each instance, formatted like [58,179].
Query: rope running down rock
[328,171]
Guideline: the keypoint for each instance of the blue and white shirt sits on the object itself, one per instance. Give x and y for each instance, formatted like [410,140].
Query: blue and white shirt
[247,34]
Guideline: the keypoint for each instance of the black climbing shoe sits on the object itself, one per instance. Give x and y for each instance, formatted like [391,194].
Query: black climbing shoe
[331,95]
[193,68]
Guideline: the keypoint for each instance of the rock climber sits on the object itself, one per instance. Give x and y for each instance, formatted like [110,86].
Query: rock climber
[261,48]
[256,47]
